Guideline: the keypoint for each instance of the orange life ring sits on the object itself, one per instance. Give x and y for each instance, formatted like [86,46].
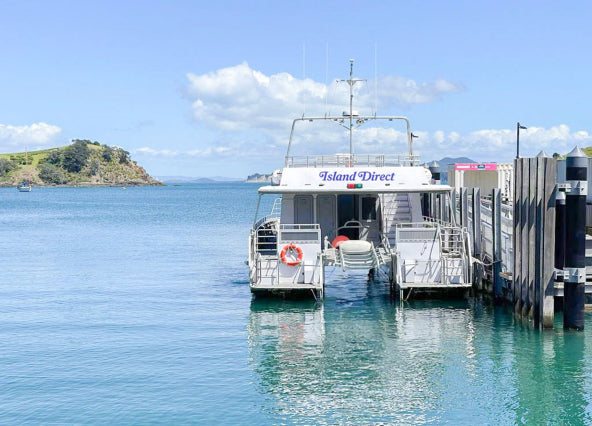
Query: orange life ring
[291,246]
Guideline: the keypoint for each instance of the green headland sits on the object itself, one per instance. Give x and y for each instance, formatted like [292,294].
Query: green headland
[83,163]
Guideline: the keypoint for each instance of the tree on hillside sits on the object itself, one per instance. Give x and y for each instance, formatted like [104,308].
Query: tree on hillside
[54,157]
[51,174]
[6,166]
[107,153]
[94,167]
[123,156]
[75,156]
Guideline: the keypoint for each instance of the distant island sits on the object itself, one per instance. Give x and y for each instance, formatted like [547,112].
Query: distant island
[258,178]
[83,163]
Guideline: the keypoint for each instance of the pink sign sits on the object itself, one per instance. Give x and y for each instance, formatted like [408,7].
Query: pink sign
[475,166]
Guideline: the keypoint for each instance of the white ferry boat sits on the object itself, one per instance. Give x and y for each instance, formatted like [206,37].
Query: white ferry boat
[356,212]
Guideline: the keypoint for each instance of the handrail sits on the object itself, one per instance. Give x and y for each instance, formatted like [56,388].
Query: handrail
[275,213]
[351,160]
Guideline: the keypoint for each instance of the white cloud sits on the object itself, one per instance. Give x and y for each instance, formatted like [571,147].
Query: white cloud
[206,152]
[254,112]
[500,144]
[399,90]
[33,135]
[156,152]
[241,98]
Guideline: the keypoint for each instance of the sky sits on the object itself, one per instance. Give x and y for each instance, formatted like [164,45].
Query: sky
[194,88]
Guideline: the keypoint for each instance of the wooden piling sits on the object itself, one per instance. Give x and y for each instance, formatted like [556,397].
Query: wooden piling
[496,233]
[464,207]
[476,219]
[532,272]
[539,231]
[524,237]
[453,203]
[547,285]
[443,215]
[476,225]
[517,271]
[534,239]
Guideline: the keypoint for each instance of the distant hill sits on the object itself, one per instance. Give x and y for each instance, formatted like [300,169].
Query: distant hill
[446,161]
[83,163]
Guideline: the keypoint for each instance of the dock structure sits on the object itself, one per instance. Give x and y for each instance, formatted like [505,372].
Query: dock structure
[530,249]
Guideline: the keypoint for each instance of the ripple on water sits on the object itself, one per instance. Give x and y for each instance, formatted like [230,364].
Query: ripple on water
[134,307]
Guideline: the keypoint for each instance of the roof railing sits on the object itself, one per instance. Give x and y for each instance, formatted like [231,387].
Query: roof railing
[355,122]
[353,160]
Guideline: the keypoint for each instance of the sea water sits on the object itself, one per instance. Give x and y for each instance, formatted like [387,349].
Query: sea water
[133,307]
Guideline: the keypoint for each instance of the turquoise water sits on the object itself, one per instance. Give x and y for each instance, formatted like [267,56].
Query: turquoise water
[134,307]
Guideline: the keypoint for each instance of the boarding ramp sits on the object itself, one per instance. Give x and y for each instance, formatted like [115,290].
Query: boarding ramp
[356,254]
[370,251]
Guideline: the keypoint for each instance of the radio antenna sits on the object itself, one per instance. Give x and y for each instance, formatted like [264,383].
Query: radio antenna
[303,76]
[352,81]
[375,79]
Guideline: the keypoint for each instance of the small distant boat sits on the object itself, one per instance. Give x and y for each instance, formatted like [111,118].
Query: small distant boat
[25,185]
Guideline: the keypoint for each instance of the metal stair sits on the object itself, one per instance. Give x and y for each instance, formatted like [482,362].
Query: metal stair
[396,208]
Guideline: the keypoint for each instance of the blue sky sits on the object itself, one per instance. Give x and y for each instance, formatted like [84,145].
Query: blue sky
[210,88]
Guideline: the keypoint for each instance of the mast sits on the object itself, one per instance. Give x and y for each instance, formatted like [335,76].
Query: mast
[28,168]
[351,82]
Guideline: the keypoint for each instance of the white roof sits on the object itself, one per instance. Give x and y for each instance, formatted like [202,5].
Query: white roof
[324,190]
[364,179]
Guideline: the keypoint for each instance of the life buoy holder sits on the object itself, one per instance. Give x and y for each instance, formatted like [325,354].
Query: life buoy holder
[285,250]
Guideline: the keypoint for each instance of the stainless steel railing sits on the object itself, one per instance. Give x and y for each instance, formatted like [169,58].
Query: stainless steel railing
[352,160]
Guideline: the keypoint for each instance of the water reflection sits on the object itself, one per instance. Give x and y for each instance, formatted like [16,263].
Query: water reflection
[360,358]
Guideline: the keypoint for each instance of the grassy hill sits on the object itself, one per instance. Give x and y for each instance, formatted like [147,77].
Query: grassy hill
[83,163]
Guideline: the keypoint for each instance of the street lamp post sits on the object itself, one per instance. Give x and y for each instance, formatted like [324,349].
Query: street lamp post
[518,127]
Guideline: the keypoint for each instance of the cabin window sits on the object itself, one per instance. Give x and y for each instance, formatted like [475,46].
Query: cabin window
[368,208]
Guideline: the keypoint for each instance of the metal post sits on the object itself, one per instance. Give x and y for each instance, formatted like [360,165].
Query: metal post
[518,127]
[576,171]
[517,140]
